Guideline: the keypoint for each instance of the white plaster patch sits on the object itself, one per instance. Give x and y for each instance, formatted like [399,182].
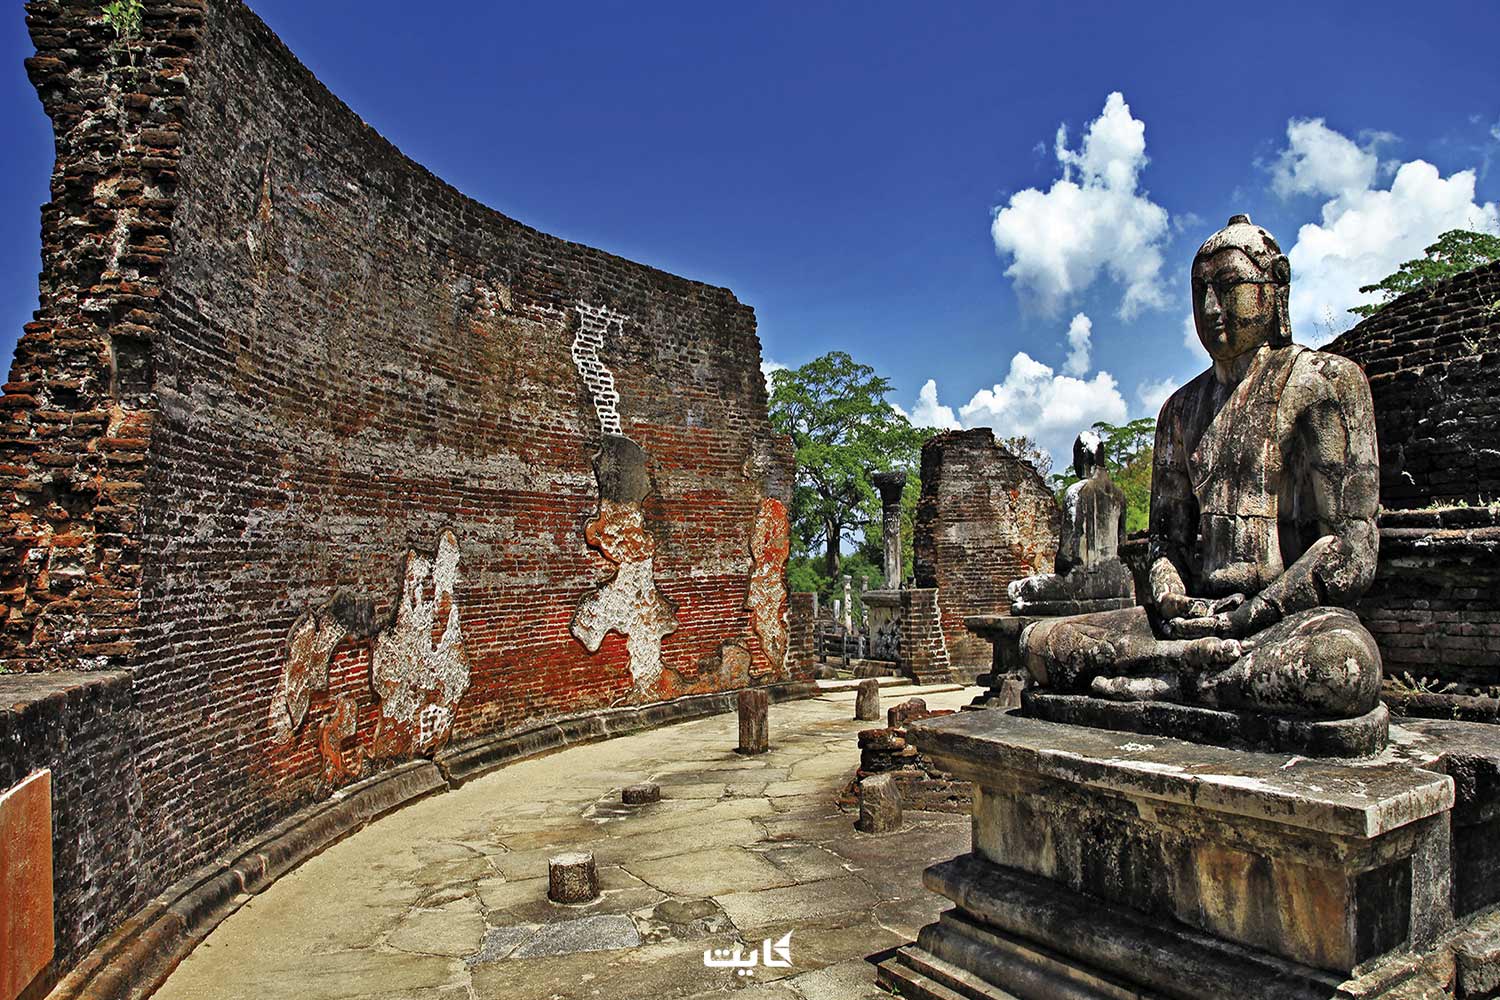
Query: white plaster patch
[410,671]
[594,324]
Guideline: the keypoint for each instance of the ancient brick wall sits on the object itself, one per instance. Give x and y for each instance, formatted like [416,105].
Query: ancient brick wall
[340,465]
[1433,610]
[1431,358]
[83,728]
[985,518]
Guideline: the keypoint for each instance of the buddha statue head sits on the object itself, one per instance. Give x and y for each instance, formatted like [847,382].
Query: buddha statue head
[1241,281]
[1088,454]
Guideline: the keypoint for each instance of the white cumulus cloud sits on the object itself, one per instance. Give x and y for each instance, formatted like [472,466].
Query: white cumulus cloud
[929,412]
[767,366]
[1154,392]
[1033,400]
[1080,334]
[1093,221]
[1365,232]
[1319,160]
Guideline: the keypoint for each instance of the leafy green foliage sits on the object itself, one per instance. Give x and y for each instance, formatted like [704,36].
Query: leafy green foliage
[1455,251]
[124,16]
[843,429]
[1128,450]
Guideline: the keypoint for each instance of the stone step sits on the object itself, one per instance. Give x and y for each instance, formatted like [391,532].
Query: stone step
[912,984]
[947,977]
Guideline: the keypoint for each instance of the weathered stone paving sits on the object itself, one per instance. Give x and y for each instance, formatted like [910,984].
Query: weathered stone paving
[447,899]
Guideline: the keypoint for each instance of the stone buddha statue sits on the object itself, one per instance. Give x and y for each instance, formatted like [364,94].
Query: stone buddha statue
[1263,535]
[1090,575]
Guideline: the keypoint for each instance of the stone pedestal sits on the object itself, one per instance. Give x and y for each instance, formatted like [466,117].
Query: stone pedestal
[1110,864]
[755,724]
[1007,677]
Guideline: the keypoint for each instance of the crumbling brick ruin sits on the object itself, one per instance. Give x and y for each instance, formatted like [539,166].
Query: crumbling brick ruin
[985,518]
[1431,358]
[341,467]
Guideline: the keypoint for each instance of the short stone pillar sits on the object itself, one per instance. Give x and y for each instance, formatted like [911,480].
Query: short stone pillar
[635,795]
[879,805]
[848,602]
[867,700]
[572,878]
[755,726]
[890,485]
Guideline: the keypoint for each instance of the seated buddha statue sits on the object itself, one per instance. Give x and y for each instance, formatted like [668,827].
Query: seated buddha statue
[1262,532]
[1090,575]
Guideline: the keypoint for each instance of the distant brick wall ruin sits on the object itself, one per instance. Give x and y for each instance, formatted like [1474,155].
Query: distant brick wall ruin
[340,465]
[985,518]
[1432,358]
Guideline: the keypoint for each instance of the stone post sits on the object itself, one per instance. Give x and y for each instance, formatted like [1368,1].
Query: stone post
[572,878]
[867,700]
[848,603]
[891,485]
[755,727]
[879,805]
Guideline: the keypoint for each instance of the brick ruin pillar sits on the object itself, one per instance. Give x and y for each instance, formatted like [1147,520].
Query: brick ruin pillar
[985,518]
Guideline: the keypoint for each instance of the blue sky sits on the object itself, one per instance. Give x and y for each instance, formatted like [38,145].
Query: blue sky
[841,166]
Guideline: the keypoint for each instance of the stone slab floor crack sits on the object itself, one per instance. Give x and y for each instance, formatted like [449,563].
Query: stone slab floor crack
[447,899]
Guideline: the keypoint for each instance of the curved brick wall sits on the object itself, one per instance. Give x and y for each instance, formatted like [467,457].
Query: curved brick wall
[1431,358]
[343,467]
[985,518]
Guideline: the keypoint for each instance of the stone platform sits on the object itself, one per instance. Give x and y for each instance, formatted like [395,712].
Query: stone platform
[1110,864]
[1357,737]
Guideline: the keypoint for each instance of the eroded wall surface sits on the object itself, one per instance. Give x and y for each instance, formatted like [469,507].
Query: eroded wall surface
[341,465]
[985,518]
[1431,358]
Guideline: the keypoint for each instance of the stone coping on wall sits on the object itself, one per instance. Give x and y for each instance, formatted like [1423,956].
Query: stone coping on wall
[139,955]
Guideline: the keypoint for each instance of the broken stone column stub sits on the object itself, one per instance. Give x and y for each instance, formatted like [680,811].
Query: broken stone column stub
[755,726]
[867,700]
[572,878]
[879,804]
[641,794]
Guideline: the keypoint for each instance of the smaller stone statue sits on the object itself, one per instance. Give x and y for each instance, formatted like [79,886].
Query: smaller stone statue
[1090,575]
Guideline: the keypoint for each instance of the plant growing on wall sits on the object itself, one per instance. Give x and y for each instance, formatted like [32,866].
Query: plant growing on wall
[124,16]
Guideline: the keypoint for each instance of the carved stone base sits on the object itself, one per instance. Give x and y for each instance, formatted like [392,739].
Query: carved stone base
[1106,865]
[1357,737]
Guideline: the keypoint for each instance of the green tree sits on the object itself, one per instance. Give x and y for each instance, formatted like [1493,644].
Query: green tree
[843,429]
[1455,251]
[1128,451]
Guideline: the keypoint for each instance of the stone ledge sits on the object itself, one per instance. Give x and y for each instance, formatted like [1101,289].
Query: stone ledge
[134,960]
[1359,798]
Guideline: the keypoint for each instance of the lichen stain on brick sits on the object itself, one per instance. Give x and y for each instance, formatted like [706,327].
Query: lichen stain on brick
[418,672]
[629,602]
[770,545]
[309,645]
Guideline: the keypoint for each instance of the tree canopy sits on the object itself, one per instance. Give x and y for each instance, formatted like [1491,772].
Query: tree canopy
[843,429]
[1455,251]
